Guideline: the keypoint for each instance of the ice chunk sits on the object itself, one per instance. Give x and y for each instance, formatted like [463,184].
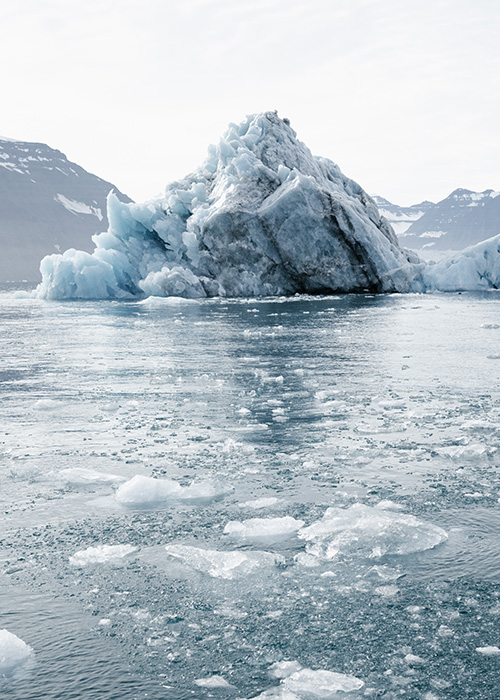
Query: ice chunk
[259,503]
[366,531]
[100,554]
[283,669]
[46,405]
[14,653]
[222,564]
[144,490]
[488,650]
[270,529]
[213,682]
[308,684]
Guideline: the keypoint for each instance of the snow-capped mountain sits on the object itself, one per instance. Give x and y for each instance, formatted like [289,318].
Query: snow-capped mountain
[47,204]
[401,218]
[261,216]
[461,220]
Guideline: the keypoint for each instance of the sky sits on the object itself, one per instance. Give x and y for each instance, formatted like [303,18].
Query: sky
[403,94]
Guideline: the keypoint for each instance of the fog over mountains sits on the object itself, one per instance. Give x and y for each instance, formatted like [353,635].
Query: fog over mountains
[47,204]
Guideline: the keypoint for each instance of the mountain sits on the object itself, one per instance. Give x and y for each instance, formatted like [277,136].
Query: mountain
[401,218]
[462,219]
[47,204]
[261,216]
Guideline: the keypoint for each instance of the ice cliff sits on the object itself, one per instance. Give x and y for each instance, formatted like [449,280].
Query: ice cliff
[262,216]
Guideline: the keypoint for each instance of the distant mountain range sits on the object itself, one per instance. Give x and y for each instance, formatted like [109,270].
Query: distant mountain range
[47,204]
[462,219]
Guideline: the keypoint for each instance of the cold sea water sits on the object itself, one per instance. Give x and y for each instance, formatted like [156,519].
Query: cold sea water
[383,409]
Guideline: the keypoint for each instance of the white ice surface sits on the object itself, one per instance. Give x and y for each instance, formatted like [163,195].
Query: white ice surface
[14,653]
[213,682]
[101,554]
[79,475]
[265,529]
[222,564]
[368,532]
[145,490]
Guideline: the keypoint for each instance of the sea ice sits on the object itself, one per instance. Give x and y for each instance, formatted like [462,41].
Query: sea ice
[368,532]
[78,475]
[270,529]
[14,653]
[213,682]
[222,564]
[100,554]
[144,490]
[488,650]
[308,684]
[259,503]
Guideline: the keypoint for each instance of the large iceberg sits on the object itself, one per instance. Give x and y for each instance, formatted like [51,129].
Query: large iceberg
[262,216]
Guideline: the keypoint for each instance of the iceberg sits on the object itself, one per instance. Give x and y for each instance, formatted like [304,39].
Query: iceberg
[261,216]
[149,491]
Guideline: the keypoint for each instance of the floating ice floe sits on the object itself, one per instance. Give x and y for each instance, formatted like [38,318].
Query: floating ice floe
[306,684]
[222,564]
[78,475]
[268,529]
[14,654]
[145,490]
[46,405]
[213,682]
[367,531]
[259,503]
[100,554]
[488,651]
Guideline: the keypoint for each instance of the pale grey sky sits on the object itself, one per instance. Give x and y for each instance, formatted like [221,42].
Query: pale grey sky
[403,94]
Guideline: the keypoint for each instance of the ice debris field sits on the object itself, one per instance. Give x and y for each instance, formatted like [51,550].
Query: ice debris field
[262,216]
[284,498]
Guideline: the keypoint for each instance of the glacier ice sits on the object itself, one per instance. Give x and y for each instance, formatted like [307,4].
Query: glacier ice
[222,564]
[14,653]
[368,531]
[262,216]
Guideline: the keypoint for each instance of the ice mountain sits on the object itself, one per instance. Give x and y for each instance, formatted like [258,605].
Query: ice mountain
[47,204]
[262,216]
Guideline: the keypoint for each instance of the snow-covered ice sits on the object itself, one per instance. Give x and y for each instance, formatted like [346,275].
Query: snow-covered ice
[100,554]
[222,564]
[14,653]
[368,531]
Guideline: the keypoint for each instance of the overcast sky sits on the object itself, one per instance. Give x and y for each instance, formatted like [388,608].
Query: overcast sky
[403,94]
